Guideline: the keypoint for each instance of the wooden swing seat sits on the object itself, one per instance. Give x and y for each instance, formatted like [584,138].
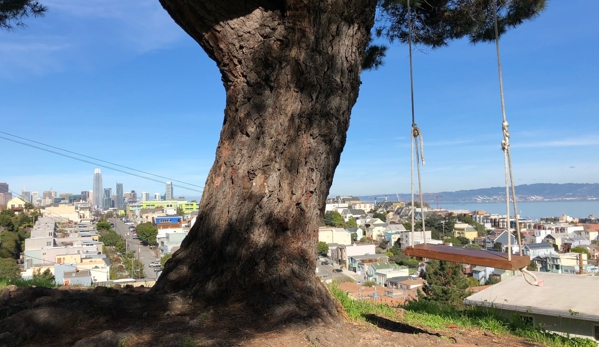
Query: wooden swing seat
[498,260]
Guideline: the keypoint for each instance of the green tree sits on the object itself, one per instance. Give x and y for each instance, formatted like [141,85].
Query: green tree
[444,283]
[180,211]
[44,276]
[492,280]
[10,245]
[6,222]
[351,223]
[272,173]
[473,246]
[579,249]
[497,246]
[9,269]
[333,219]
[147,233]
[354,236]
[532,266]
[13,12]
[165,258]
[103,225]
[381,216]
[463,240]
[472,282]
[111,238]
[323,248]
[134,267]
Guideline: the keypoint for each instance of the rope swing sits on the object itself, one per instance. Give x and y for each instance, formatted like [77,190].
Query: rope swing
[470,256]
[507,162]
[415,140]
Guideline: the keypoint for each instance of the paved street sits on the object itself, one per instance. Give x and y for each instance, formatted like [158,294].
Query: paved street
[146,256]
[326,270]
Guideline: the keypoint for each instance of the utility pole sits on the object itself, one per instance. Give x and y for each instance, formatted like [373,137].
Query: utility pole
[138,263]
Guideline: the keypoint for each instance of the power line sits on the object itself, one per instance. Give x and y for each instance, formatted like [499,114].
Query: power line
[101,165]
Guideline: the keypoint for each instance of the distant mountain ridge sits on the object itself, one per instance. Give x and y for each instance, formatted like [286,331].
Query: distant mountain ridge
[524,192]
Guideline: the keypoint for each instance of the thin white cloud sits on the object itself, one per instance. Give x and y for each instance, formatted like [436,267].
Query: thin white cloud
[569,142]
[86,35]
[38,56]
[145,24]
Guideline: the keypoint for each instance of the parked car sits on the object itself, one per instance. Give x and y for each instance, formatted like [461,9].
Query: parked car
[155,264]
[135,237]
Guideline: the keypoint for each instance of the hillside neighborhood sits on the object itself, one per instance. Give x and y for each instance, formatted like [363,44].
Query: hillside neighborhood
[361,251]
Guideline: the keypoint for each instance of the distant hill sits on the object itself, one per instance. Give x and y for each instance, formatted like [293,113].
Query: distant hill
[525,192]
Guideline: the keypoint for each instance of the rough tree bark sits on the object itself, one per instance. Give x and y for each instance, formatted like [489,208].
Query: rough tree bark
[291,70]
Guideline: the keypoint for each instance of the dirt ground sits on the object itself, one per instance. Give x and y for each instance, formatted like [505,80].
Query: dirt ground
[131,317]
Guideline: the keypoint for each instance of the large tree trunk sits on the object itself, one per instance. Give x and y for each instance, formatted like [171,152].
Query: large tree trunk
[291,70]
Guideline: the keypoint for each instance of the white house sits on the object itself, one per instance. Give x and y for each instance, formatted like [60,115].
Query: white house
[334,235]
[536,249]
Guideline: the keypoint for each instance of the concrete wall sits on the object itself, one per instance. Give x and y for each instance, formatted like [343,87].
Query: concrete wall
[565,325]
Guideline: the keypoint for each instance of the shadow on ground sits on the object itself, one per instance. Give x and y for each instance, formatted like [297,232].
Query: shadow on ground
[394,326]
[104,316]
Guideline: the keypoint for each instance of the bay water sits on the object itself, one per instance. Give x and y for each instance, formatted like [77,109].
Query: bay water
[533,209]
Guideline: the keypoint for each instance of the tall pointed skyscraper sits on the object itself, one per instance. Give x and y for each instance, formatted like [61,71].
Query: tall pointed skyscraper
[98,190]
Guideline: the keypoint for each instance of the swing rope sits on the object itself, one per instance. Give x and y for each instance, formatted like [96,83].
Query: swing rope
[507,163]
[416,141]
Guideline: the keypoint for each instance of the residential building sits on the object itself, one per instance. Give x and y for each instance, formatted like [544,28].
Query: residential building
[65,213]
[381,275]
[482,273]
[145,196]
[417,237]
[503,239]
[360,263]
[343,252]
[357,214]
[568,263]
[71,243]
[70,275]
[187,206]
[377,272]
[574,240]
[157,197]
[465,230]
[536,249]
[335,207]
[563,305]
[334,235]
[171,242]
[364,206]
[358,231]
[375,228]
[16,204]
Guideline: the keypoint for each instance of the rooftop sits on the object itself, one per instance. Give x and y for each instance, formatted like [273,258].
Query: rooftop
[549,299]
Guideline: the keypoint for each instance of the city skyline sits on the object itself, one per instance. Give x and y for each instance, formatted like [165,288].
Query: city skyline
[146,73]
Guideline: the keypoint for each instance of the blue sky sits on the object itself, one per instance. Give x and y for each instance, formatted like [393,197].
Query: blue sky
[120,81]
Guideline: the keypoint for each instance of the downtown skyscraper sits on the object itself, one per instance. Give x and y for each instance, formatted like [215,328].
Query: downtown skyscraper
[120,198]
[169,191]
[98,191]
